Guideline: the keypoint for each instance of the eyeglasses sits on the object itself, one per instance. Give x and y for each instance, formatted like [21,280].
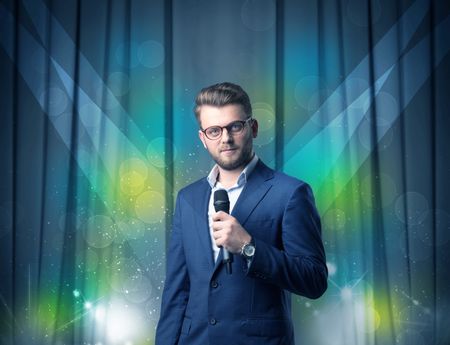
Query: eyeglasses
[235,127]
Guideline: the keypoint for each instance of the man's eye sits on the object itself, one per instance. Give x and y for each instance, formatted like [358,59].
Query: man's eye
[214,131]
[236,127]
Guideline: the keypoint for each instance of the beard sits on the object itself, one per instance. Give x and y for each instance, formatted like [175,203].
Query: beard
[242,157]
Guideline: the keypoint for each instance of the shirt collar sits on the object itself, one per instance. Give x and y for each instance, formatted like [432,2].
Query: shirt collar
[243,176]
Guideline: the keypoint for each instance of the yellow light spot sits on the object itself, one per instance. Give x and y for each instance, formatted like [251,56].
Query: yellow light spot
[133,174]
[149,207]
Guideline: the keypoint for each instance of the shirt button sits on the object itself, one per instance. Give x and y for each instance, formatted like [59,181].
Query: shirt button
[214,284]
[213,321]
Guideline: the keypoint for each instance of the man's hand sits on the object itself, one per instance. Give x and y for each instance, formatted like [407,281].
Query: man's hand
[228,233]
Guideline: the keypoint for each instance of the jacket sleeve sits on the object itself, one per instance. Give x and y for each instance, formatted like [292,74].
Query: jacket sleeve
[176,288]
[300,266]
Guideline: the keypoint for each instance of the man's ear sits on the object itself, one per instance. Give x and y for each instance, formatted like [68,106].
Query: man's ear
[201,135]
[254,126]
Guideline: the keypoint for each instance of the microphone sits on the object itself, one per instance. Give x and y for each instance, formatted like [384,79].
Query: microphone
[222,203]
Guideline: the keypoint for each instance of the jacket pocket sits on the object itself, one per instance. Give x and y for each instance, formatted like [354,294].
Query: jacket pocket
[260,223]
[266,327]
[263,229]
[186,327]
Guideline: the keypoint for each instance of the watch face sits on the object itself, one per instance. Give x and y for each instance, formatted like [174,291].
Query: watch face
[249,250]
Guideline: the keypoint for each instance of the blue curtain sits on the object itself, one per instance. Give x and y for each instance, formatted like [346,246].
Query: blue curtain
[98,135]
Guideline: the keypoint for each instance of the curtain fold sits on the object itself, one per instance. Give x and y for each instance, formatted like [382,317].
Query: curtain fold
[98,135]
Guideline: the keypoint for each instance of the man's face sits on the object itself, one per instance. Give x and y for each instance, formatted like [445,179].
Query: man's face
[230,151]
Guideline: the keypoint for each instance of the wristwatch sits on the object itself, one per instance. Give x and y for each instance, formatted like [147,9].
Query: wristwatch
[248,249]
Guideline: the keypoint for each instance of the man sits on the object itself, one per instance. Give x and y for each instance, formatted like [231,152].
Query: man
[272,231]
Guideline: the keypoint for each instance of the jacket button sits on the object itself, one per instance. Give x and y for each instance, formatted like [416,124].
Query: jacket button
[214,284]
[213,321]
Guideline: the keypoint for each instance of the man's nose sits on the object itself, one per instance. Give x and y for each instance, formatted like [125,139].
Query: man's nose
[226,136]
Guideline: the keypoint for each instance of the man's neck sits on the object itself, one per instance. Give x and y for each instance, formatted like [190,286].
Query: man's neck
[228,178]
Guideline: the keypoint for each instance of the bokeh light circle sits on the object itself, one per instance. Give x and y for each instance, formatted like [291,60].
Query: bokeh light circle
[151,54]
[156,152]
[387,109]
[386,139]
[87,260]
[105,96]
[133,175]
[416,204]
[134,164]
[264,138]
[131,183]
[325,106]
[57,101]
[91,260]
[365,136]
[388,190]
[306,88]
[63,125]
[99,231]
[149,207]
[265,115]
[131,229]
[118,83]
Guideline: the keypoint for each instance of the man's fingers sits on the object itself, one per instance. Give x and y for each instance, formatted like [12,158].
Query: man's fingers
[220,216]
[217,225]
[218,238]
[221,224]
[217,234]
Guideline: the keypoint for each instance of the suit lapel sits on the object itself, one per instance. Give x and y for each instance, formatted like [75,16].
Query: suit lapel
[254,190]
[202,225]
[258,184]
[219,260]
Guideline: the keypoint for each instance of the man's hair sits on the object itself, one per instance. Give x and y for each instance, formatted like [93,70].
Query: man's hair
[219,95]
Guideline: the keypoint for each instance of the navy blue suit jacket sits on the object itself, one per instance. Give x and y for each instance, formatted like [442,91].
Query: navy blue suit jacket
[202,304]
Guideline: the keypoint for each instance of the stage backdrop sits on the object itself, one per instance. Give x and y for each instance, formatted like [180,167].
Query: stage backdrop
[98,135]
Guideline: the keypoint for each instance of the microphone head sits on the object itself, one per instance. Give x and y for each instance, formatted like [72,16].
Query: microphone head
[221,201]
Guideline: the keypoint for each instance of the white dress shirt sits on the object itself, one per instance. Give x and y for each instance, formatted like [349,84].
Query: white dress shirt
[233,194]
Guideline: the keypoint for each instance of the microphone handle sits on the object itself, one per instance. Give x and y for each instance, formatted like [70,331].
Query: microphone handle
[227,260]
[222,203]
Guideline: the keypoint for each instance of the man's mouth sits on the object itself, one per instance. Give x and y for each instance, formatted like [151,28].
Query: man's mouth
[228,150]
